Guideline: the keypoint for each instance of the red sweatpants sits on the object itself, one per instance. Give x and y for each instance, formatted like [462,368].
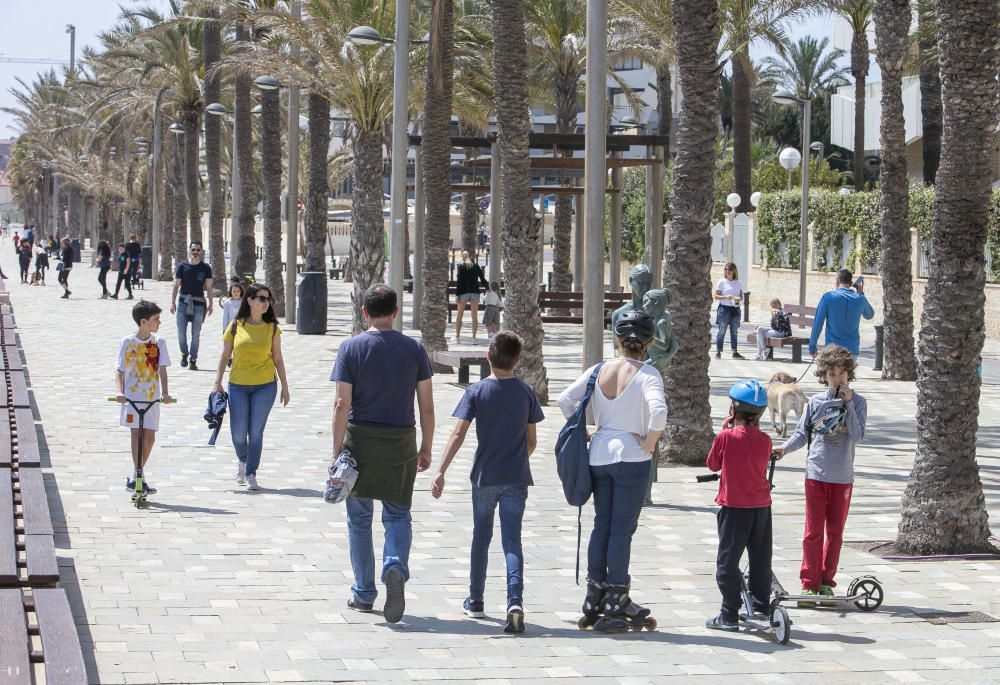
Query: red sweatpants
[826,508]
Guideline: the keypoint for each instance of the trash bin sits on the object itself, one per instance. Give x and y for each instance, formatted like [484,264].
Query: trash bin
[147,261]
[311,304]
[75,244]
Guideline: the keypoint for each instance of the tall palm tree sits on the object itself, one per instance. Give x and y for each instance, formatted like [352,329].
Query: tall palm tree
[930,89]
[246,239]
[212,52]
[943,507]
[688,263]
[519,231]
[858,14]
[270,157]
[892,29]
[807,68]
[318,182]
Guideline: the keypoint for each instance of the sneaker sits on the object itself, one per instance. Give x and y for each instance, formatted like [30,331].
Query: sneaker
[720,622]
[395,599]
[805,603]
[193,364]
[241,475]
[104,296]
[184,360]
[147,489]
[114,296]
[456,341]
[718,355]
[252,482]
[65,296]
[473,608]
[737,355]
[357,605]
[515,619]
[130,297]
[130,482]
[826,591]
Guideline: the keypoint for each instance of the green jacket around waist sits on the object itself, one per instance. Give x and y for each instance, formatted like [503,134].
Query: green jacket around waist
[387,461]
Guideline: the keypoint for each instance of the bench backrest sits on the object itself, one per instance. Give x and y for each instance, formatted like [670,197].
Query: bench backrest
[800,315]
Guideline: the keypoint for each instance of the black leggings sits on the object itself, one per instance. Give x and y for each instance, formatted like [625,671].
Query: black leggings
[126,278]
[64,278]
[102,278]
[24,270]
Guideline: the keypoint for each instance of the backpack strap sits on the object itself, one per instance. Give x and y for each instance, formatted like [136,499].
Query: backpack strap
[582,410]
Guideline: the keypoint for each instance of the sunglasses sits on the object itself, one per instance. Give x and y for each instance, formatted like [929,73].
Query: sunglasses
[195,251]
[262,298]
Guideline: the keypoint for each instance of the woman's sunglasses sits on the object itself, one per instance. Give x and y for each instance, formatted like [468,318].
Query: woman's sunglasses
[262,298]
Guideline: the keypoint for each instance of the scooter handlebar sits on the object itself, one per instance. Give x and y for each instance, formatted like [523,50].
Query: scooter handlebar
[173,400]
[707,478]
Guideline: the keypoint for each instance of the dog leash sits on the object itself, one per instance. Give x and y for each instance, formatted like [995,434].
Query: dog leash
[807,370]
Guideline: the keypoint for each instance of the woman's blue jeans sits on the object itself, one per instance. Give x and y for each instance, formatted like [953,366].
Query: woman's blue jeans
[727,317]
[485,501]
[619,491]
[249,406]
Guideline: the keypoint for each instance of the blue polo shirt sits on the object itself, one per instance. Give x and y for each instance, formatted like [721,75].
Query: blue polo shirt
[840,312]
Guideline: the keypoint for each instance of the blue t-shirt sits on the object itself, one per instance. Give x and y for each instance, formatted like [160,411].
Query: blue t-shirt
[193,277]
[383,368]
[502,408]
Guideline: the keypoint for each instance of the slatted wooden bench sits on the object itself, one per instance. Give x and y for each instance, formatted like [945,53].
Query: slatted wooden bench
[800,316]
[555,303]
[463,359]
[44,616]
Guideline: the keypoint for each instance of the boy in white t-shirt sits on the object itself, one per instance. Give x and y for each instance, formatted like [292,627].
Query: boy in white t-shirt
[141,374]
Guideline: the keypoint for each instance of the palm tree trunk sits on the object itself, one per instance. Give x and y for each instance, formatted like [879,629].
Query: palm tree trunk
[930,91]
[213,148]
[317,198]
[246,243]
[859,68]
[892,24]
[192,180]
[943,507]
[436,152]
[470,215]
[741,129]
[270,156]
[687,268]
[567,83]
[367,224]
[664,106]
[179,213]
[519,230]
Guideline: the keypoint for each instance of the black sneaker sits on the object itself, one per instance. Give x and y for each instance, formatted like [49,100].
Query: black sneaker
[718,355]
[722,623]
[515,619]
[395,598]
[114,296]
[364,608]
[737,355]
[130,297]
[193,365]
[473,608]
[184,360]
[65,296]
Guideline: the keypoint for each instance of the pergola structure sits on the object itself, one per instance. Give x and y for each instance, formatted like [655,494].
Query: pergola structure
[566,168]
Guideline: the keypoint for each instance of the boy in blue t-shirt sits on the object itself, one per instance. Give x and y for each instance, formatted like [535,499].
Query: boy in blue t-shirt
[500,472]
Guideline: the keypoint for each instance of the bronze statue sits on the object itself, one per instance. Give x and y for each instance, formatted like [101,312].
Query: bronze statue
[641,280]
[655,303]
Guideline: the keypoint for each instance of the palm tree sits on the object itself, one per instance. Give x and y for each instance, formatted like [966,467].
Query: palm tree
[687,268]
[858,14]
[318,193]
[212,52]
[930,88]
[943,507]
[270,156]
[246,239]
[892,28]
[807,68]
[519,230]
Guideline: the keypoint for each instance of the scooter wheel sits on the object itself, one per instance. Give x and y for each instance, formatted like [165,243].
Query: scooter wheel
[782,625]
[873,594]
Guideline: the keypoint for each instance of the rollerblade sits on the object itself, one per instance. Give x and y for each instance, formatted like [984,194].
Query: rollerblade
[593,604]
[621,614]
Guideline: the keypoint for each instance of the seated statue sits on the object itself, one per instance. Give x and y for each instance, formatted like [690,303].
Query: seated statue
[655,303]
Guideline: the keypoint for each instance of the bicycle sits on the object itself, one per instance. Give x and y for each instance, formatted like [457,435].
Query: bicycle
[139,495]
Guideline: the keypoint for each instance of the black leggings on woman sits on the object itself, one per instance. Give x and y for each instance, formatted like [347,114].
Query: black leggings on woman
[24,269]
[102,278]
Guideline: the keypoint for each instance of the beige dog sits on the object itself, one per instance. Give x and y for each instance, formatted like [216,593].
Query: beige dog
[783,396]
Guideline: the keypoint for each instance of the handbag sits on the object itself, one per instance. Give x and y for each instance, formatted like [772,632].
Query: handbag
[60,266]
[573,461]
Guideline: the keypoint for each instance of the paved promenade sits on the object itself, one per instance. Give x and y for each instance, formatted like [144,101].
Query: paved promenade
[215,584]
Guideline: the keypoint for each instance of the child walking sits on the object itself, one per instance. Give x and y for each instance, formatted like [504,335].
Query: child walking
[493,302]
[505,410]
[142,375]
[742,453]
[232,305]
[832,424]
[781,327]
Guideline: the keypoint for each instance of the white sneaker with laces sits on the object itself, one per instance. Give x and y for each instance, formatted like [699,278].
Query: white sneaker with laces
[241,475]
[252,482]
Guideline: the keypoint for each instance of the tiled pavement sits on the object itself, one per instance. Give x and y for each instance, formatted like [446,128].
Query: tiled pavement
[214,584]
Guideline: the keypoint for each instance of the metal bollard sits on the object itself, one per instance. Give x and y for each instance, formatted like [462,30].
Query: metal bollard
[746,307]
[879,343]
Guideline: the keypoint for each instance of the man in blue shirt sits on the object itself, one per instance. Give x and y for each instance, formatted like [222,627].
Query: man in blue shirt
[840,311]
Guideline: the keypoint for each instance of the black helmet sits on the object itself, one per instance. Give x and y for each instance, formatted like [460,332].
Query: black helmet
[635,324]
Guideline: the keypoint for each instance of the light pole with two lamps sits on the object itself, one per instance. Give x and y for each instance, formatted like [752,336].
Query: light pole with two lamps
[785,97]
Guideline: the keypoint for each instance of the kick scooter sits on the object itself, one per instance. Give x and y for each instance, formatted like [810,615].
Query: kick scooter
[139,496]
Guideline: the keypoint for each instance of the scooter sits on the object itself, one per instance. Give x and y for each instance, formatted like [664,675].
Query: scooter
[139,496]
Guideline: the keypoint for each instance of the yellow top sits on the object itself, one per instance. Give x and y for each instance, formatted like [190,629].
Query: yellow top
[253,363]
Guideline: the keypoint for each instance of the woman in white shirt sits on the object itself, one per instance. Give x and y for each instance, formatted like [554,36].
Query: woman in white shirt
[729,293]
[630,412]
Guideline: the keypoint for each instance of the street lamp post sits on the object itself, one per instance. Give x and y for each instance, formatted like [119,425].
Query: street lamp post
[292,196]
[220,110]
[784,97]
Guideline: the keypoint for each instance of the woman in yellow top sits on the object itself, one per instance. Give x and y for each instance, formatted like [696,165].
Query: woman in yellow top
[253,341]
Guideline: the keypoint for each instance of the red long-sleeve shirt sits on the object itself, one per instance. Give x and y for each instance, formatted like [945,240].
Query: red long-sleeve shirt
[742,454]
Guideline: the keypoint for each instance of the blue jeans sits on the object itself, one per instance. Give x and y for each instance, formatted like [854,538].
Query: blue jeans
[511,499]
[182,326]
[619,491]
[249,406]
[396,552]
[727,317]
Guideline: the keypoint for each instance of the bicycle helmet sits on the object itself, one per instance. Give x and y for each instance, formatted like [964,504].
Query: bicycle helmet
[635,324]
[828,417]
[748,396]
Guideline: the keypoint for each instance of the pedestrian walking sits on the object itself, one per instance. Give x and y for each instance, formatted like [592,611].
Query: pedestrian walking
[24,260]
[193,279]
[134,251]
[468,277]
[232,305]
[124,273]
[65,266]
[630,412]
[41,264]
[729,293]
[253,343]
[840,312]
[377,374]
[103,257]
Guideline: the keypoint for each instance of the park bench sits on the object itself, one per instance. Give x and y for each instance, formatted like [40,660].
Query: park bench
[800,316]
[43,617]
[554,306]
[463,359]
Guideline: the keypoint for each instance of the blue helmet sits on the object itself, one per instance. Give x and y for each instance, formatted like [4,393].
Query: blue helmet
[748,396]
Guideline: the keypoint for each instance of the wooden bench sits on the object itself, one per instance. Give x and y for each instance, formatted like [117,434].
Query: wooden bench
[550,302]
[45,616]
[800,316]
[15,642]
[18,391]
[463,359]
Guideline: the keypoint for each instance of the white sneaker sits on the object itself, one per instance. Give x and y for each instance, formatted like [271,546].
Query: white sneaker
[252,482]
[456,341]
[241,475]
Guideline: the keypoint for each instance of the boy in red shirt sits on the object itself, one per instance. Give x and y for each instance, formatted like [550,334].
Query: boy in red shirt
[742,453]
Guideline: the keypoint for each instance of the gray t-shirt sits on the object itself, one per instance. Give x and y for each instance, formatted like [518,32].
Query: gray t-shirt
[831,456]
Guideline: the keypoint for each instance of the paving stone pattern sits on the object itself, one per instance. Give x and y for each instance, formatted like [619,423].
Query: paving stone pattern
[215,584]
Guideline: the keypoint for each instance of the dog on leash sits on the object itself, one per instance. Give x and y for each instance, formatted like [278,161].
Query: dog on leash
[783,397]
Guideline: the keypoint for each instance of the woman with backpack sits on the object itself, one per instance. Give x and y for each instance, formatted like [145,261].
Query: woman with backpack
[253,342]
[630,412]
